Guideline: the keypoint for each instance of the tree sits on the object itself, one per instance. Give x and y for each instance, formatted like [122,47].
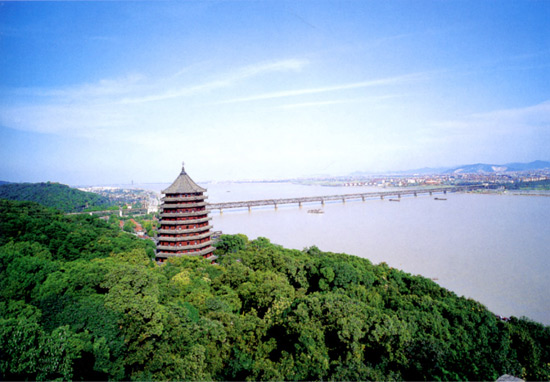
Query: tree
[54,195]
[231,243]
[82,300]
[129,226]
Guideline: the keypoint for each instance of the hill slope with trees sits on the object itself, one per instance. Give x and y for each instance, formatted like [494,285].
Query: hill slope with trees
[80,300]
[55,195]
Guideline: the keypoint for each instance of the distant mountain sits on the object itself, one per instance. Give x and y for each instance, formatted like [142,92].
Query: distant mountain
[418,171]
[492,168]
[425,171]
[3,182]
[59,196]
[465,169]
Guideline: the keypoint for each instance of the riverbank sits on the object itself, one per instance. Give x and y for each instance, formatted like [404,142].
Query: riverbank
[514,192]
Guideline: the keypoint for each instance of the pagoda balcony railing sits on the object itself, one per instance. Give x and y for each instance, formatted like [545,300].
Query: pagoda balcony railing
[180,231]
[188,205]
[183,214]
[169,198]
[185,222]
[205,251]
[182,247]
[184,238]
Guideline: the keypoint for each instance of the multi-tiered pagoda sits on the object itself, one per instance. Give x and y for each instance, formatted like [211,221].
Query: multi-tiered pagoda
[184,221]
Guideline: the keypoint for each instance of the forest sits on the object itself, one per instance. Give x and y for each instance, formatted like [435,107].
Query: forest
[55,195]
[83,300]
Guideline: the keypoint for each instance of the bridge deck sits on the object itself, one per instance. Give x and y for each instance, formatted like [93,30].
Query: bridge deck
[322,199]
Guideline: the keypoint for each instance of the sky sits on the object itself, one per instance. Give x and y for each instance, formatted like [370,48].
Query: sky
[118,91]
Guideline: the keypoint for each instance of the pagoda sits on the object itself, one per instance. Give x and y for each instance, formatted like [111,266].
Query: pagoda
[184,222]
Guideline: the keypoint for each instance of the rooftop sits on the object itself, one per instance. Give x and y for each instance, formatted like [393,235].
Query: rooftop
[183,185]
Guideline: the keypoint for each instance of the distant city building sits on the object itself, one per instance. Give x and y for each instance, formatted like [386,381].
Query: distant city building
[184,222]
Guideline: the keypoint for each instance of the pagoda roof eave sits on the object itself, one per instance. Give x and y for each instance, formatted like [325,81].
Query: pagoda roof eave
[174,239]
[184,231]
[175,248]
[185,222]
[167,255]
[183,185]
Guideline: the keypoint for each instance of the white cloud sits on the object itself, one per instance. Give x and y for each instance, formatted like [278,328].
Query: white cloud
[499,122]
[73,120]
[515,134]
[88,92]
[338,102]
[326,89]
[138,105]
[119,105]
[228,80]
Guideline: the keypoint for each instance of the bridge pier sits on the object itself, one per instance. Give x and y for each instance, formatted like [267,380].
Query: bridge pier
[430,193]
[249,208]
[275,205]
[399,196]
[323,202]
[415,194]
[444,191]
[382,197]
[300,204]
[363,197]
[344,200]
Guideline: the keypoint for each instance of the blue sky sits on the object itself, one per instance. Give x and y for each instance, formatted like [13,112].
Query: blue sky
[119,91]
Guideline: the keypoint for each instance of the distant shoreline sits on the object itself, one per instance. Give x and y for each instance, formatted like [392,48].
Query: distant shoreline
[543,193]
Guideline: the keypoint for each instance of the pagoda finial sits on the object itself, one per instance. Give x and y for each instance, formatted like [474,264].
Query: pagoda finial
[183,167]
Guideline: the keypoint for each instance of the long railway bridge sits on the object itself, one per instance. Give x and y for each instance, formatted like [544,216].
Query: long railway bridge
[343,198]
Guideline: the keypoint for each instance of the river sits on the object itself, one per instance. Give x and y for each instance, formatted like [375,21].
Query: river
[493,248]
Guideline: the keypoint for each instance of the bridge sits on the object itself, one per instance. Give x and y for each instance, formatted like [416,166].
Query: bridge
[343,198]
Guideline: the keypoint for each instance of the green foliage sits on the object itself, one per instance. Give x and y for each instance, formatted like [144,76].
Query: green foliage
[148,227]
[129,226]
[65,237]
[82,300]
[231,243]
[54,195]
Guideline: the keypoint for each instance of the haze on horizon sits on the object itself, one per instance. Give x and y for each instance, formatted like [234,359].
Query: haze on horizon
[109,92]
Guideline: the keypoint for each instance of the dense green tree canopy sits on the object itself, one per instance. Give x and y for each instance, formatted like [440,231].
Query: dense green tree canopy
[80,300]
[54,195]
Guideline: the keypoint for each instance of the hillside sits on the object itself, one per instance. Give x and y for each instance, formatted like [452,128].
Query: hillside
[508,167]
[82,301]
[54,195]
